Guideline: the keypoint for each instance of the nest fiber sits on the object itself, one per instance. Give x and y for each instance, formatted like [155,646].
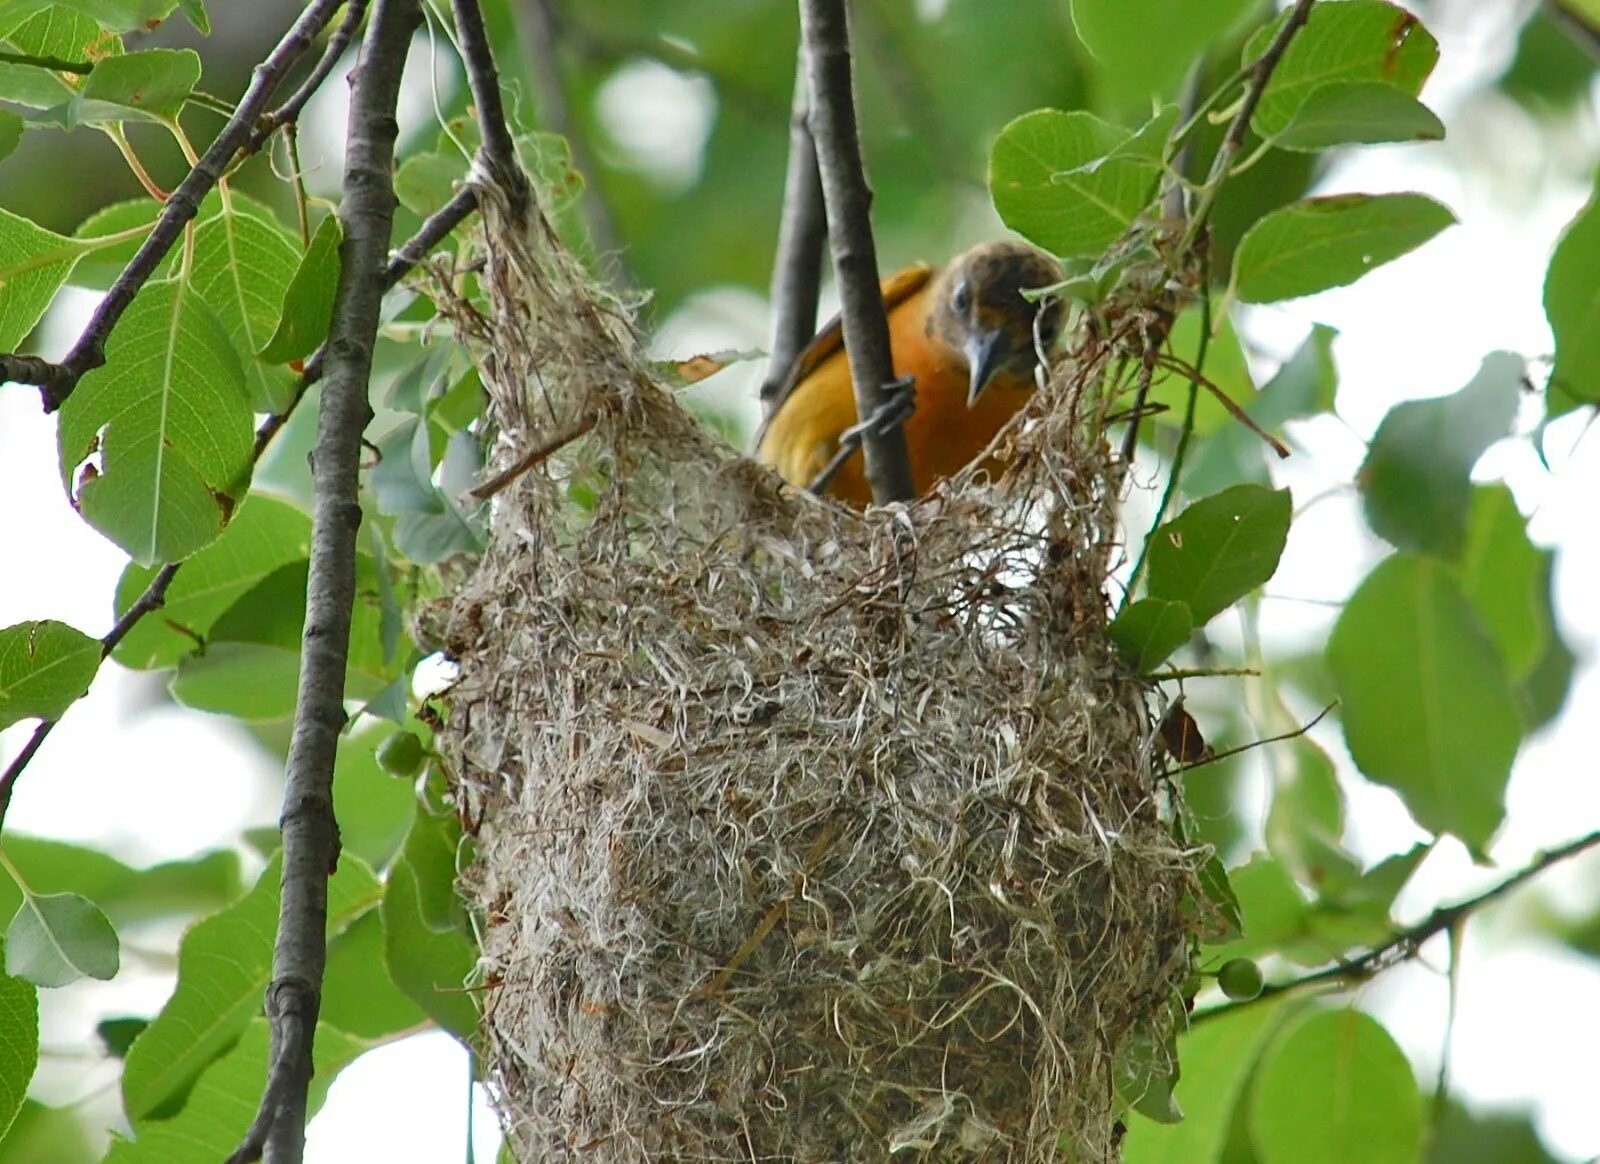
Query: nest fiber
[803,835]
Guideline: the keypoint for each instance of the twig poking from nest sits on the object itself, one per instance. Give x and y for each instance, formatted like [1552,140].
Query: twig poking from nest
[541,452]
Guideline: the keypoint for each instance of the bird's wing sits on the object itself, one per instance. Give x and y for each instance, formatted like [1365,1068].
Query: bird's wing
[829,341]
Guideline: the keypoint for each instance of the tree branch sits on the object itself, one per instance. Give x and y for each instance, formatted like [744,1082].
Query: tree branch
[57,381]
[289,111]
[537,32]
[797,267]
[309,831]
[1408,943]
[1582,28]
[826,36]
[499,152]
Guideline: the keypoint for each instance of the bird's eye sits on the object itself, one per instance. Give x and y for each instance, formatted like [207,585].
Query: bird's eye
[962,299]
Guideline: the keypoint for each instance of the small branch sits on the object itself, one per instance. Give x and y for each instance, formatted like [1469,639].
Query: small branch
[546,448]
[538,33]
[1583,29]
[54,64]
[797,267]
[1233,140]
[826,36]
[1217,757]
[289,112]
[184,203]
[309,831]
[430,234]
[1408,943]
[499,152]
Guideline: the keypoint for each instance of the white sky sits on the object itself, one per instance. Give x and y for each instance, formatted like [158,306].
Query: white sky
[1527,1022]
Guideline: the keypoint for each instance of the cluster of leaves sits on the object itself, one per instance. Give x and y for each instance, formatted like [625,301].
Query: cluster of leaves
[1444,658]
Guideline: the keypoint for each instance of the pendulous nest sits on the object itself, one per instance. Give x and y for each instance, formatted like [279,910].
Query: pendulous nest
[805,835]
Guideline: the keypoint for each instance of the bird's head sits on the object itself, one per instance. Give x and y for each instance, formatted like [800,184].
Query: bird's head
[978,309]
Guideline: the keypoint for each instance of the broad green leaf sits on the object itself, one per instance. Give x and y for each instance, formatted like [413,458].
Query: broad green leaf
[403,477]
[149,85]
[103,262]
[1147,631]
[1572,304]
[1052,180]
[1275,915]
[48,29]
[127,895]
[34,263]
[266,535]
[1319,243]
[223,1103]
[112,15]
[254,682]
[426,538]
[425,182]
[373,808]
[116,1035]
[1358,113]
[47,1135]
[1502,575]
[1551,71]
[1460,1135]
[194,11]
[224,964]
[1427,707]
[1416,481]
[58,938]
[429,966]
[243,264]
[1306,820]
[307,305]
[1217,1056]
[1226,368]
[44,668]
[1333,1089]
[1133,63]
[1219,549]
[11,127]
[19,1046]
[169,419]
[1544,691]
[358,996]
[1358,40]
[1356,914]
[1144,1074]
[1303,386]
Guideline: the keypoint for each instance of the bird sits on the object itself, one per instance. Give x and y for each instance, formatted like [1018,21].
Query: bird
[967,337]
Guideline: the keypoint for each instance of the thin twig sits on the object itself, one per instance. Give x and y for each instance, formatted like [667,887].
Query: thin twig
[797,266]
[432,232]
[499,152]
[1408,943]
[544,449]
[1293,734]
[57,381]
[309,832]
[289,112]
[538,32]
[848,200]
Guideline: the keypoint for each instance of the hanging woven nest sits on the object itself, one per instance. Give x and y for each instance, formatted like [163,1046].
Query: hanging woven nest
[806,835]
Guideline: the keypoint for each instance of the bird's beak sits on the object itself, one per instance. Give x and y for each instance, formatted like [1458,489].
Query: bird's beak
[985,352]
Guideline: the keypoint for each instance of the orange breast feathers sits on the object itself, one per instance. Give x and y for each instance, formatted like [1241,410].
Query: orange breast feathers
[967,336]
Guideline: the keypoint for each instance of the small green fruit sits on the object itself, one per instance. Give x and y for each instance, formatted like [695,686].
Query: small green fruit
[1240,979]
[401,754]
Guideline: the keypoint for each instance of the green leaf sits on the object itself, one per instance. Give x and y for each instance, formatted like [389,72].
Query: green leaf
[373,809]
[48,29]
[1427,707]
[44,667]
[112,15]
[1219,549]
[403,477]
[1333,1089]
[116,1035]
[58,938]
[429,966]
[1544,691]
[194,11]
[243,264]
[264,536]
[149,85]
[254,682]
[1306,820]
[1358,40]
[426,181]
[1134,63]
[1416,481]
[11,127]
[1217,1056]
[224,963]
[169,418]
[223,1102]
[103,262]
[34,263]
[1052,180]
[358,996]
[127,895]
[1502,575]
[1275,915]
[1358,113]
[1572,304]
[1147,631]
[1319,243]
[307,305]
[19,1046]
[47,1135]
[1551,71]
[1226,367]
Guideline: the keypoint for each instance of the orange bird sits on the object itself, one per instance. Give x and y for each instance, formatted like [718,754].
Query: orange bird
[966,335]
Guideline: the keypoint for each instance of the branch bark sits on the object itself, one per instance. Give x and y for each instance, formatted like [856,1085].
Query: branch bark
[848,200]
[797,267]
[289,111]
[499,152]
[310,834]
